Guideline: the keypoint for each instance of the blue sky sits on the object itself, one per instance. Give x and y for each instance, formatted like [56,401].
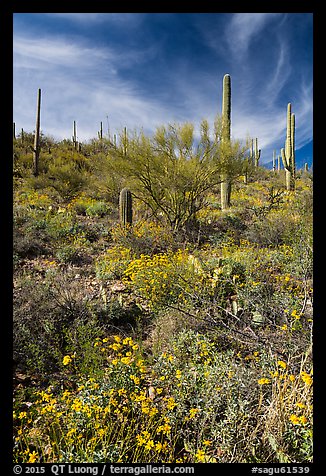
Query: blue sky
[142,70]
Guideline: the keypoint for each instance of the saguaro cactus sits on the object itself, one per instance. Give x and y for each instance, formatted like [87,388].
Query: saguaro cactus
[251,153]
[274,161]
[36,149]
[100,132]
[257,153]
[125,141]
[125,207]
[226,137]
[288,153]
[74,136]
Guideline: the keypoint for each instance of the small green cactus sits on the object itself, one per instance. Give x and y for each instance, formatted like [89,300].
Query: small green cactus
[288,153]
[125,207]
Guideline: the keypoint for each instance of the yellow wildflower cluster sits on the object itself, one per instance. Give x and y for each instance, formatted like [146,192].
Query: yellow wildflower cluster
[32,198]
[156,277]
[298,420]
[113,262]
[154,232]
[80,202]
[67,360]
[306,378]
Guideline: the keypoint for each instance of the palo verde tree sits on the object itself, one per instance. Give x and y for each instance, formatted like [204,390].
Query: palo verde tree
[167,172]
[172,172]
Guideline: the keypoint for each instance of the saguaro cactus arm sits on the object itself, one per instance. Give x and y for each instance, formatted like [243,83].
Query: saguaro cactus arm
[285,160]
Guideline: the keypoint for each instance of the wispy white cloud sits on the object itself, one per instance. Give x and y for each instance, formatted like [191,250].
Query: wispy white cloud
[73,52]
[43,52]
[86,18]
[243,28]
[279,74]
[74,87]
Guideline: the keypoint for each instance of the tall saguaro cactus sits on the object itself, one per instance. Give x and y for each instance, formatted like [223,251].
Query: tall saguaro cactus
[100,132]
[274,161]
[257,153]
[226,108]
[74,136]
[288,153]
[36,149]
[125,207]
[251,153]
[125,141]
[226,137]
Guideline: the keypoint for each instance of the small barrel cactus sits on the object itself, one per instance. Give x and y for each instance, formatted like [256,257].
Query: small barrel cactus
[125,207]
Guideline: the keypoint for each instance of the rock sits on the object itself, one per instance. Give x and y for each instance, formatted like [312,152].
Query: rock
[118,287]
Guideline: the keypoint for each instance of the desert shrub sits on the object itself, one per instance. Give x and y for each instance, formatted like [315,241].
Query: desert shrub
[99,209]
[28,244]
[67,179]
[36,326]
[144,237]
[113,263]
[67,254]
[273,229]
[47,313]
[83,204]
[80,203]
[165,278]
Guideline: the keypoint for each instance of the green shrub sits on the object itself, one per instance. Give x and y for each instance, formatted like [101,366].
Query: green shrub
[99,209]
